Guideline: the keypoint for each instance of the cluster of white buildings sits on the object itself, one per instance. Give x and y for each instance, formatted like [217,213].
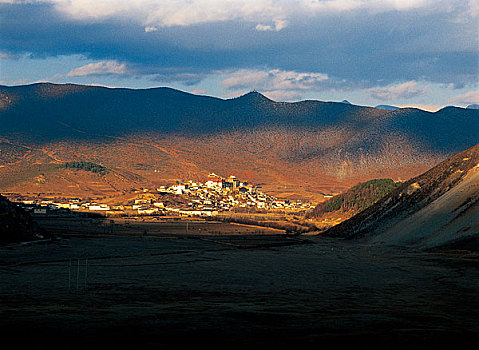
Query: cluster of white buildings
[44,207]
[195,199]
[220,194]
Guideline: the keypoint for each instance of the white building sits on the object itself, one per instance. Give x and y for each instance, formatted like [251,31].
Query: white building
[99,207]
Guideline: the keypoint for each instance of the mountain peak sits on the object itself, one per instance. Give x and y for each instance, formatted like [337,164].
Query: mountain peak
[254,96]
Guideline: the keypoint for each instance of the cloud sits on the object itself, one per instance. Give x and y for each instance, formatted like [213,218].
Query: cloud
[474,8]
[470,97]
[370,5]
[150,29]
[274,79]
[275,83]
[405,90]
[167,13]
[278,25]
[360,44]
[198,92]
[99,68]
[281,95]
[6,55]
[263,28]
[186,77]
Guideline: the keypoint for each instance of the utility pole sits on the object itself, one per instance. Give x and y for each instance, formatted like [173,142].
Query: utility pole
[69,274]
[78,272]
[86,273]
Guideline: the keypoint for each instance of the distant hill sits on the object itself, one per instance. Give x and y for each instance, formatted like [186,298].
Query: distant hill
[439,208]
[346,102]
[16,225]
[473,106]
[351,202]
[150,137]
[387,107]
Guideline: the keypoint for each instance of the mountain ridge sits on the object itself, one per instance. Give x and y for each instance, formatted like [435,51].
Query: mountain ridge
[163,135]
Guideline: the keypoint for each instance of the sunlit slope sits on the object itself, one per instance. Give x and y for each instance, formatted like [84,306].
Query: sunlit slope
[438,208]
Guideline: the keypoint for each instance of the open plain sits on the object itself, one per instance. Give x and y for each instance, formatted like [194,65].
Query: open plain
[153,285]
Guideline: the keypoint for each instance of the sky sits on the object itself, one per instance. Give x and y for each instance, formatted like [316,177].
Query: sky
[419,53]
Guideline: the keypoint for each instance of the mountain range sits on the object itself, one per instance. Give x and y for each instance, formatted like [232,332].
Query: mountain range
[150,137]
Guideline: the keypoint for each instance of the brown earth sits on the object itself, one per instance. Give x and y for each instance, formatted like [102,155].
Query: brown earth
[143,161]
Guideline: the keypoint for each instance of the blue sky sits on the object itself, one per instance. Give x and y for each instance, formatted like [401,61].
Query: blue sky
[420,53]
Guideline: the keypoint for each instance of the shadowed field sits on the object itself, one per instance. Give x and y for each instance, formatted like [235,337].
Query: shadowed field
[168,289]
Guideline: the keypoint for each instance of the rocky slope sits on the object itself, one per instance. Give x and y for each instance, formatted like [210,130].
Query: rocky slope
[436,209]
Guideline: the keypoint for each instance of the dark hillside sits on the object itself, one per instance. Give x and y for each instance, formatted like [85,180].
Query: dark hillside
[357,198]
[16,225]
[351,202]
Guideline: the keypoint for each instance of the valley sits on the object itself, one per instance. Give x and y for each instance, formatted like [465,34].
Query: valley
[226,285]
[241,174]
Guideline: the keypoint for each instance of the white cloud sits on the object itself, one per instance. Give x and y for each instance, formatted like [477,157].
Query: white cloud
[150,29]
[281,95]
[278,25]
[166,13]
[467,98]
[274,79]
[405,90]
[275,83]
[370,5]
[474,8]
[99,68]
[263,28]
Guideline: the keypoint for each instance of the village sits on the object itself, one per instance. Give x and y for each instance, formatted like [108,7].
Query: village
[187,199]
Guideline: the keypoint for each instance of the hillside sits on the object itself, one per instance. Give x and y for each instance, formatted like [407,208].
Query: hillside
[351,202]
[436,209]
[16,225]
[157,136]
